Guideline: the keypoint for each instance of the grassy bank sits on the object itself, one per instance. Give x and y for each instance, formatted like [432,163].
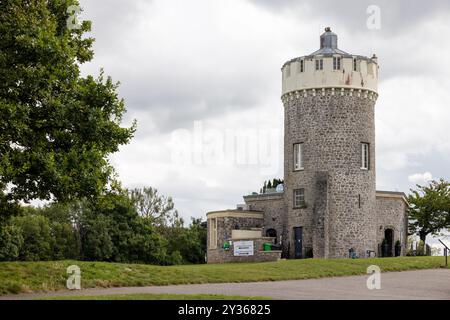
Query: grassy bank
[16,277]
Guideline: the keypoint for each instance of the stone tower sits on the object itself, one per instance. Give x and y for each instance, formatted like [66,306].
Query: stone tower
[329,152]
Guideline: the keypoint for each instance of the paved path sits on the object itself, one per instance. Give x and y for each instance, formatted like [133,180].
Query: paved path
[423,284]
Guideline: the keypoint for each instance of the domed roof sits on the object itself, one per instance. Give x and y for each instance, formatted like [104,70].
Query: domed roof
[329,44]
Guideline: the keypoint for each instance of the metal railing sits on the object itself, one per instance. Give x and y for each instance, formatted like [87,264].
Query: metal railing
[446,251]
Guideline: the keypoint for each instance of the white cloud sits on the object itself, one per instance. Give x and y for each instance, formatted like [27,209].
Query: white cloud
[421,178]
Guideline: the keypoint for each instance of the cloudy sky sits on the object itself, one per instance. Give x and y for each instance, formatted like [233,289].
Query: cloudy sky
[203,80]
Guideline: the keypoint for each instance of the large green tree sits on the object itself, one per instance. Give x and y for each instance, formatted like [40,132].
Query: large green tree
[57,127]
[429,211]
[159,209]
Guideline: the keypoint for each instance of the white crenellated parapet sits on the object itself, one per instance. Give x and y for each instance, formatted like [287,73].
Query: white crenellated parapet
[353,72]
[333,91]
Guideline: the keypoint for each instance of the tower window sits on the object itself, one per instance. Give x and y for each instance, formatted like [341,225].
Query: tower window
[336,63]
[355,64]
[213,234]
[365,156]
[319,64]
[299,198]
[298,157]
[288,70]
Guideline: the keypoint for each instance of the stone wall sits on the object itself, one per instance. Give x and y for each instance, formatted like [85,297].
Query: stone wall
[392,214]
[331,127]
[274,208]
[227,221]
[221,255]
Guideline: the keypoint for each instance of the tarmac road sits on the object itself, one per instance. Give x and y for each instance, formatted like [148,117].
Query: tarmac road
[407,285]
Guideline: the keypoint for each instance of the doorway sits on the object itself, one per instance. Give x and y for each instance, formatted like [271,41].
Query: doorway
[389,236]
[272,233]
[298,240]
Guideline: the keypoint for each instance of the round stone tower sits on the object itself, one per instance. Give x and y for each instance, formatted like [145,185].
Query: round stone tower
[329,98]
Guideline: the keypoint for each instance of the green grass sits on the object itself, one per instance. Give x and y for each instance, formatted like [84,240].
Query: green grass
[18,277]
[150,296]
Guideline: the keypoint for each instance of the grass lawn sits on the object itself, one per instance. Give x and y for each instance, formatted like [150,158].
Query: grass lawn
[17,277]
[149,296]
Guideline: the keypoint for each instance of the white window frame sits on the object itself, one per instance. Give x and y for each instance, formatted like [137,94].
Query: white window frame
[299,198]
[299,157]
[365,156]
[213,233]
[336,63]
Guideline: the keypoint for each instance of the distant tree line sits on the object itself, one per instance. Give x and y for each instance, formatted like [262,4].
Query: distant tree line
[270,184]
[122,226]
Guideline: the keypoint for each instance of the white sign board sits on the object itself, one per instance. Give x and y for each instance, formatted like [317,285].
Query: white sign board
[243,248]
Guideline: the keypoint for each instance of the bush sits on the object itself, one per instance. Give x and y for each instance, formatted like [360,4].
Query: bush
[37,239]
[11,242]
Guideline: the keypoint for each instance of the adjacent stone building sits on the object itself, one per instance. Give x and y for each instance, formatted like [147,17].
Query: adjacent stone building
[328,206]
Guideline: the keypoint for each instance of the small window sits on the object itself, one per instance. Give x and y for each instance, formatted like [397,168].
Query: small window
[355,65]
[371,68]
[288,70]
[299,198]
[365,156]
[302,65]
[336,63]
[213,233]
[319,64]
[298,157]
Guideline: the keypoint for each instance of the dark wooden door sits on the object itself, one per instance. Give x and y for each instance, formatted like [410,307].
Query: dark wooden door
[389,236]
[298,239]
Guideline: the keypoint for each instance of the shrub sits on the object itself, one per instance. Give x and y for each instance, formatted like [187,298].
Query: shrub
[11,242]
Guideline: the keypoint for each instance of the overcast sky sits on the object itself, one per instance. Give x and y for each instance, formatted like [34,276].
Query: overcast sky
[213,67]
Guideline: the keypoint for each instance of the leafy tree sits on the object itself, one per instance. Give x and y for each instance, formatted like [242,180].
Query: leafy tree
[64,241]
[11,242]
[112,230]
[37,239]
[190,242]
[56,127]
[8,207]
[429,210]
[158,209]
[97,244]
[148,246]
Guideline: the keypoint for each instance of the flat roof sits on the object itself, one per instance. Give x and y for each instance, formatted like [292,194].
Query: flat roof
[237,213]
[264,195]
[392,194]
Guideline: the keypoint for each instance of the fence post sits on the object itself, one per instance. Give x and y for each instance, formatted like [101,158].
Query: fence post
[446,256]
